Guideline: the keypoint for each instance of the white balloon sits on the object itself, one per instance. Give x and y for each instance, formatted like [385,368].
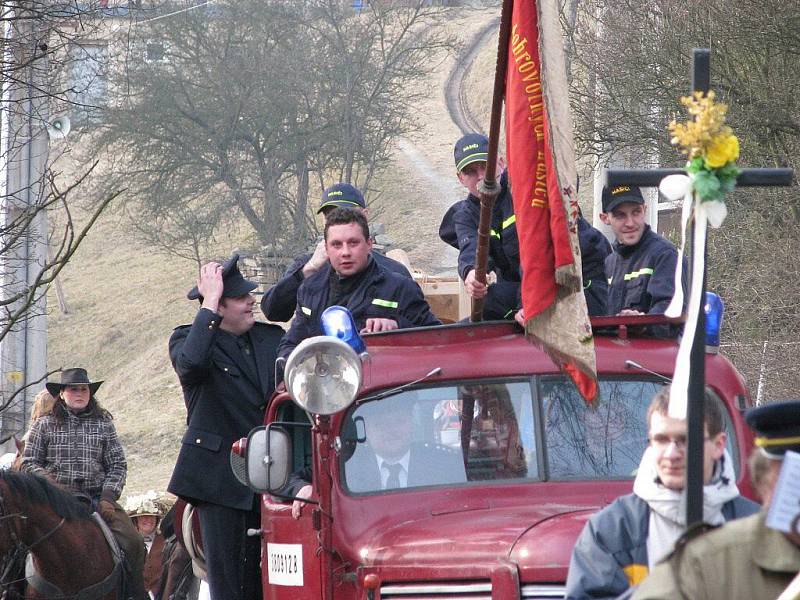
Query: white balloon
[674,187]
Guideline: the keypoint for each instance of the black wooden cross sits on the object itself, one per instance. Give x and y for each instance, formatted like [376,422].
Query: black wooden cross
[701,75]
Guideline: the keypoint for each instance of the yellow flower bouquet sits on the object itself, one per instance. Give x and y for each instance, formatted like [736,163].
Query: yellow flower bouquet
[710,145]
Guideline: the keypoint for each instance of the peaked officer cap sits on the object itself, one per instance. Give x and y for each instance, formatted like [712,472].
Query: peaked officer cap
[777,427]
[234,283]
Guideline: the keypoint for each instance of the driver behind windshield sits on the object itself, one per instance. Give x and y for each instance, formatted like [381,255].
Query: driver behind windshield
[387,457]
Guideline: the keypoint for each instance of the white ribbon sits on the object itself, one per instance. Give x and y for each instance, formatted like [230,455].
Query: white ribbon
[675,187]
[679,392]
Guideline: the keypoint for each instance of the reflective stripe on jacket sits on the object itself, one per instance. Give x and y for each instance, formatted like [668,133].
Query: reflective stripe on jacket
[380,294]
[278,302]
[503,239]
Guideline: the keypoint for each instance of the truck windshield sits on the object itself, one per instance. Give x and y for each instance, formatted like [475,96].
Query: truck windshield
[535,429]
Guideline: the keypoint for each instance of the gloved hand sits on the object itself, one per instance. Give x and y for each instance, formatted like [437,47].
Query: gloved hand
[317,260]
[106,510]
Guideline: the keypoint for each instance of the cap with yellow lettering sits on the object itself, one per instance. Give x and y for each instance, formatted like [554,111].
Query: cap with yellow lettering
[613,197]
[342,194]
[471,148]
[777,427]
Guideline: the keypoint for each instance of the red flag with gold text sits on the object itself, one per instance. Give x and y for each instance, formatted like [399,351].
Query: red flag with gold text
[542,173]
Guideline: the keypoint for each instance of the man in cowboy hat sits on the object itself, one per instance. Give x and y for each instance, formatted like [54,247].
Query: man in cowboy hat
[76,446]
[146,511]
[225,362]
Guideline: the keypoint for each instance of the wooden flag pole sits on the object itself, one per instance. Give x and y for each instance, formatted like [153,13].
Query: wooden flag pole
[489,189]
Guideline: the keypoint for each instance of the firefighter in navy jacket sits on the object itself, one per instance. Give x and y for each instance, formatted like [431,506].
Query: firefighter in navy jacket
[641,269]
[594,250]
[278,302]
[502,298]
[378,299]
[225,362]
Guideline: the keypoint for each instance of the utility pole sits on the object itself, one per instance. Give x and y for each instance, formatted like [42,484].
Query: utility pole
[23,159]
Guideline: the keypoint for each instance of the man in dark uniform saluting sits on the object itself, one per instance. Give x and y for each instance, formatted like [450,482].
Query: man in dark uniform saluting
[225,363]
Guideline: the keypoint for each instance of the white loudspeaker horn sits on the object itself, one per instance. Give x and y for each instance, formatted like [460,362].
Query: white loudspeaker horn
[59,128]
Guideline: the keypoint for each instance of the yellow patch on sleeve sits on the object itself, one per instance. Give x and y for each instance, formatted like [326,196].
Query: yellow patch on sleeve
[635,573]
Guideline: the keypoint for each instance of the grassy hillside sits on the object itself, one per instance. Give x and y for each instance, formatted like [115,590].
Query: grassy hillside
[124,298]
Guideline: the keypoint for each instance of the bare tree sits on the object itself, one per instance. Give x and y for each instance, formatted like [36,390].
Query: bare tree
[253,105]
[38,43]
[630,67]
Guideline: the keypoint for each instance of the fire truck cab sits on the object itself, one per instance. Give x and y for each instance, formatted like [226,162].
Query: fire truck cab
[503,461]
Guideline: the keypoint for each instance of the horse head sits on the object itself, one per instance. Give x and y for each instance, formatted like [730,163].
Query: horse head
[12,549]
[37,518]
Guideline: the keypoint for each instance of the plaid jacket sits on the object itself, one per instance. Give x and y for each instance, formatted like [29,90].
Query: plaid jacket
[82,453]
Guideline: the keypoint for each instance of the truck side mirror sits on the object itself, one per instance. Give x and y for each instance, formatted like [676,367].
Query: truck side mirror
[268,456]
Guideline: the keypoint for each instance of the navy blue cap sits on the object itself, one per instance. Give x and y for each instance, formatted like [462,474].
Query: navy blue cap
[342,194]
[233,282]
[473,147]
[620,194]
[777,427]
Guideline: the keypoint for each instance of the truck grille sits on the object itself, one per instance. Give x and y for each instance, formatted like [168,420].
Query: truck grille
[540,591]
[449,590]
[465,591]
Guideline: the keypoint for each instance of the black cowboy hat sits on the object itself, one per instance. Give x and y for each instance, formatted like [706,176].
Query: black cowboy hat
[76,376]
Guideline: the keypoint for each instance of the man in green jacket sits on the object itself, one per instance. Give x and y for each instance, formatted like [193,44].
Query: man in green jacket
[745,558]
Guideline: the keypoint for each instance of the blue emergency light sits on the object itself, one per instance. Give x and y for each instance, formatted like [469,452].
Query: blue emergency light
[338,322]
[714,308]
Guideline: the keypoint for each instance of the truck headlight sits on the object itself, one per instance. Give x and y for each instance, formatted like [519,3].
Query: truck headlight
[323,375]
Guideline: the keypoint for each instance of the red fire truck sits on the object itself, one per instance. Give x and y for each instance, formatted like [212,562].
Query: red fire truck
[504,460]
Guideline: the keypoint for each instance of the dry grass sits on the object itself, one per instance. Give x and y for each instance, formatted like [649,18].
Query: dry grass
[419,188]
[125,298]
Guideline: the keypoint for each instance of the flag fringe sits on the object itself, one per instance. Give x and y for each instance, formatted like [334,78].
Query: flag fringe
[576,354]
[568,277]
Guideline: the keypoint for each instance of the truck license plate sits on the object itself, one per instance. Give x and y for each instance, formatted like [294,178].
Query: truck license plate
[285,564]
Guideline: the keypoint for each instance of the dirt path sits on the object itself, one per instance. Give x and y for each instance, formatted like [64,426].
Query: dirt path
[455,89]
[424,162]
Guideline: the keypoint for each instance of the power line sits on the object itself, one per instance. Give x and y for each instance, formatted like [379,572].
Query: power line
[177,12]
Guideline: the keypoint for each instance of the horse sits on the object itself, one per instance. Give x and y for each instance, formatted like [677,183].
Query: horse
[177,578]
[69,551]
